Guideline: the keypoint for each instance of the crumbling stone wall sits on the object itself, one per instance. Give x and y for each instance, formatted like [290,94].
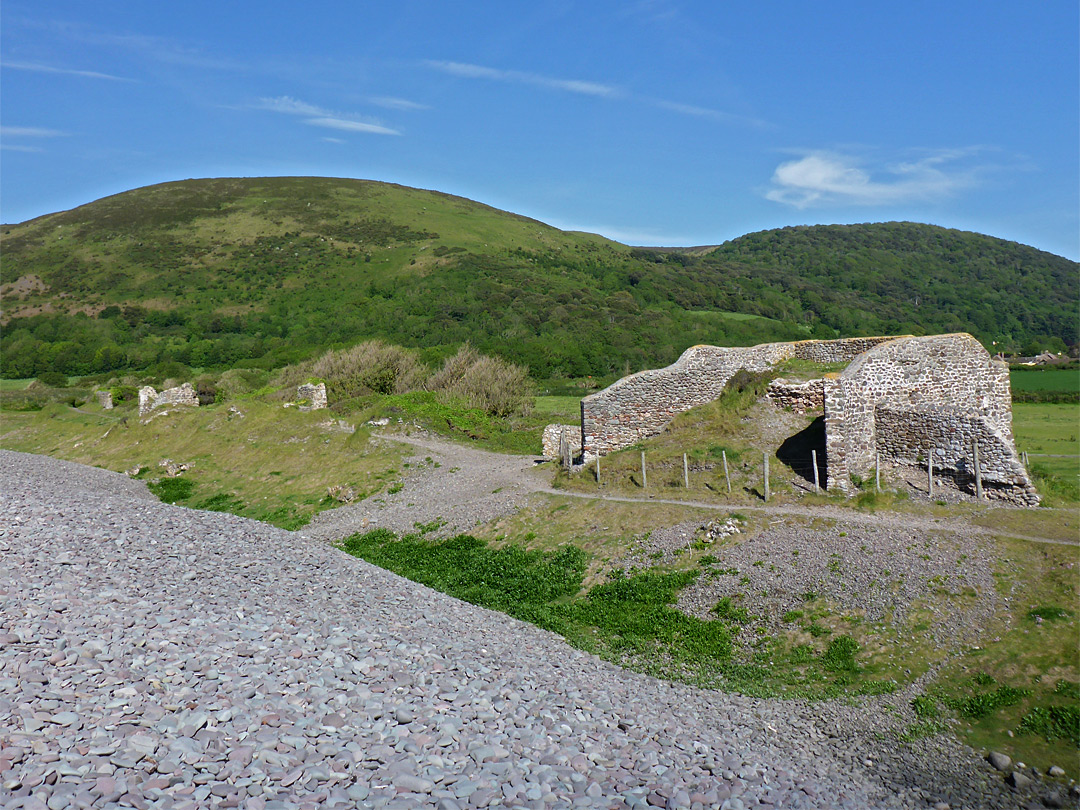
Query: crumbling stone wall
[804,397]
[150,399]
[314,393]
[943,384]
[552,439]
[105,400]
[643,404]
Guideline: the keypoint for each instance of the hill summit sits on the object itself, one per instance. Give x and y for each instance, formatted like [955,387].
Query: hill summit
[266,271]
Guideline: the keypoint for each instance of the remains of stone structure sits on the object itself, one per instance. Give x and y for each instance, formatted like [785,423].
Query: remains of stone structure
[149,399]
[104,399]
[313,395]
[804,397]
[551,440]
[898,399]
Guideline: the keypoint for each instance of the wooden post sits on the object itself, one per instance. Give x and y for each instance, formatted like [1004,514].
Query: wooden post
[644,479]
[877,472]
[598,470]
[1025,458]
[978,470]
[817,484]
[685,472]
[726,476]
[930,474]
[765,459]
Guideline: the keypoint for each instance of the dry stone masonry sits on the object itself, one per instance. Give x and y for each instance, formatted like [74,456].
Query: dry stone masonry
[898,399]
[938,393]
[150,399]
[313,394]
[105,400]
[643,404]
[804,397]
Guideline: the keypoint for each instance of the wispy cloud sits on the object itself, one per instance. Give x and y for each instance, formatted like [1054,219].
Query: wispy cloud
[319,117]
[11,147]
[86,74]
[30,132]
[821,178]
[391,103]
[589,88]
[579,86]
[351,126]
[706,112]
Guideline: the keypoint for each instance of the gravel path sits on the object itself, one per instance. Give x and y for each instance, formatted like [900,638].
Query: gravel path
[460,486]
[159,657]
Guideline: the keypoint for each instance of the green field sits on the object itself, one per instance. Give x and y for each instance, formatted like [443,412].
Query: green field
[1050,379]
[1050,434]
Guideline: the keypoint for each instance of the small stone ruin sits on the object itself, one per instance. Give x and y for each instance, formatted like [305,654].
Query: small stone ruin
[150,399]
[105,400]
[310,397]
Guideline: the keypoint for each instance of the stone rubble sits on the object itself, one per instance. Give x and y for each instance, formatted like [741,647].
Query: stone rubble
[158,657]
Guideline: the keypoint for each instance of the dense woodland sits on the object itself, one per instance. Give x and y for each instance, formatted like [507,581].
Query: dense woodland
[264,272]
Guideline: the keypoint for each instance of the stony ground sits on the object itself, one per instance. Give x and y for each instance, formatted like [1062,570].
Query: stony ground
[460,486]
[152,656]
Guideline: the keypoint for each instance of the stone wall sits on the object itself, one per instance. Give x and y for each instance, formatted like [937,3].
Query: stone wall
[643,404]
[149,399]
[942,374]
[906,436]
[552,439]
[804,397]
[314,394]
[105,400]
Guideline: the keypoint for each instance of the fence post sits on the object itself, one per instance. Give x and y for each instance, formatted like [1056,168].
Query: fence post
[765,458]
[877,472]
[726,476]
[817,485]
[644,478]
[930,474]
[685,472]
[598,470]
[1025,458]
[978,470]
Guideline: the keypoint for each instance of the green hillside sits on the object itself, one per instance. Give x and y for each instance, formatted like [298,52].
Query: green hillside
[265,271]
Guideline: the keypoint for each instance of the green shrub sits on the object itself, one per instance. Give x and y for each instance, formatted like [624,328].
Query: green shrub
[53,379]
[494,385]
[1053,723]
[369,367]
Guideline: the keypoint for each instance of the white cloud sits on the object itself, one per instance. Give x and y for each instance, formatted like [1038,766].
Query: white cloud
[334,140]
[7,147]
[351,126]
[391,103]
[30,132]
[320,117]
[291,106]
[468,71]
[86,74]
[826,178]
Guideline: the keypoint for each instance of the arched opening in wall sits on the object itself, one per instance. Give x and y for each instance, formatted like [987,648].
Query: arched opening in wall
[797,452]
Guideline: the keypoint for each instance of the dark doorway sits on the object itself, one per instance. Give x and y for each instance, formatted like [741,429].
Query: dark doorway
[796,453]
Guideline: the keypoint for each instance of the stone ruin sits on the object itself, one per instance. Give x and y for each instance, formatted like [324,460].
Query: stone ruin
[104,399]
[310,397]
[898,399]
[150,399]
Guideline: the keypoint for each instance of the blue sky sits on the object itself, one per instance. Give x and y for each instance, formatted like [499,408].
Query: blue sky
[654,122]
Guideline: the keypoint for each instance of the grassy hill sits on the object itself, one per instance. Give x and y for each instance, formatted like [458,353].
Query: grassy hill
[264,271]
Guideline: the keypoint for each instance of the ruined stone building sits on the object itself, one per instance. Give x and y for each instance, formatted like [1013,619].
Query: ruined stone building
[898,399]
